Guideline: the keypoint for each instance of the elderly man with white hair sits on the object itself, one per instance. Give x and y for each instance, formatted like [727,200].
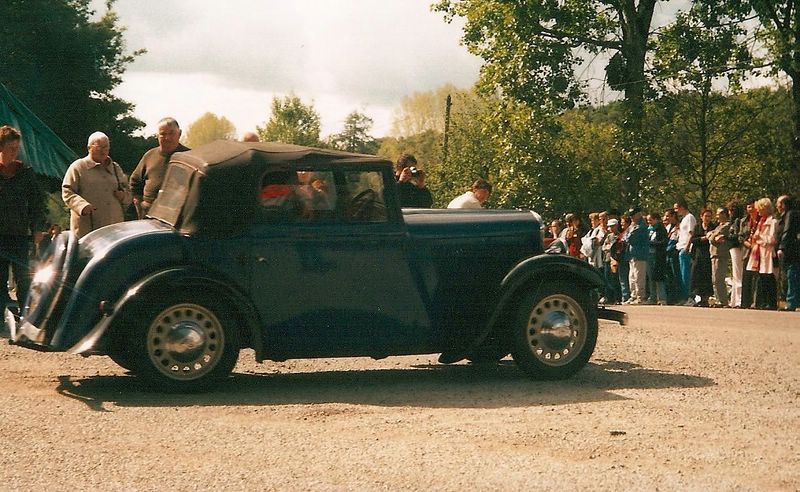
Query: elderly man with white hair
[95,188]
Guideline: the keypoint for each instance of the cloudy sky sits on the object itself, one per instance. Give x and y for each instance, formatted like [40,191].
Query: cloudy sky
[231,57]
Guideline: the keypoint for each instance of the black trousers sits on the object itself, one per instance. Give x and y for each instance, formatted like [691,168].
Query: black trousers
[749,283]
[767,295]
[15,252]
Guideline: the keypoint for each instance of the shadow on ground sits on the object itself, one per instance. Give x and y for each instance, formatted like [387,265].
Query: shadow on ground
[430,385]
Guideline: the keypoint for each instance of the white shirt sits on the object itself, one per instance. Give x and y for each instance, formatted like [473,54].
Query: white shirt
[467,200]
[688,223]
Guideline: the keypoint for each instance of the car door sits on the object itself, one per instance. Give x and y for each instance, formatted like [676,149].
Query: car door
[330,271]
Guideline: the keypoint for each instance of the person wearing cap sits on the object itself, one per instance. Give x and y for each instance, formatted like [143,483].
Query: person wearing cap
[475,197]
[638,251]
[95,189]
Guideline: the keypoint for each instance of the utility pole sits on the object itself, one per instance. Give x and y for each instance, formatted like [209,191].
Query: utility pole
[448,104]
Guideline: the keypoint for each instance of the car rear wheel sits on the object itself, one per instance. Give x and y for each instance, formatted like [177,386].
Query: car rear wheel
[185,344]
[555,332]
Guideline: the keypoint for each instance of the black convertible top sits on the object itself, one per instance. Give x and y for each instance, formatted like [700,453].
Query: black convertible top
[213,190]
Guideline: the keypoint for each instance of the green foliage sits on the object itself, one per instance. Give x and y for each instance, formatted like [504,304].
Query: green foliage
[780,23]
[422,111]
[57,212]
[208,128]
[292,122]
[65,66]
[355,136]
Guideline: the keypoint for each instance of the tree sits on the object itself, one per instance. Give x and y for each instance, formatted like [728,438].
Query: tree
[780,20]
[355,136]
[422,111]
[65,67]
[208,128]
[702,49]
[291,122]
[530,50]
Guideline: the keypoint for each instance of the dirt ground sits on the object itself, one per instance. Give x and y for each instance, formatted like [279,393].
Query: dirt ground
[681,399]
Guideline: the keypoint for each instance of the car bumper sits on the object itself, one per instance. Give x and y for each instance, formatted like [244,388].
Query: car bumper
[612,315]
[23,333]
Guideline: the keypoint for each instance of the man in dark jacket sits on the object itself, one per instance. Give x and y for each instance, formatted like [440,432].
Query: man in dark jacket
[638,240]
[411,189]
[789,250]
[22,212]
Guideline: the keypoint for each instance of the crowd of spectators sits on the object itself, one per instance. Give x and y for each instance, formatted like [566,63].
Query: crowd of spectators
[735,256]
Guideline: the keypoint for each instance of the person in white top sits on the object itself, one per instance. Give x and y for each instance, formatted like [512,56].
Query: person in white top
[475,198]
[686,228]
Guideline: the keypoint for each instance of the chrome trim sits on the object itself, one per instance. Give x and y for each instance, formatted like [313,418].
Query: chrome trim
[23,331]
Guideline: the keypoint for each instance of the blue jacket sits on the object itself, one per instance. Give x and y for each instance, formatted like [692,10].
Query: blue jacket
[638,239]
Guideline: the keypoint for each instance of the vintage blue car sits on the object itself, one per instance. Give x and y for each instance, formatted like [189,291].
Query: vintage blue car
[297,252]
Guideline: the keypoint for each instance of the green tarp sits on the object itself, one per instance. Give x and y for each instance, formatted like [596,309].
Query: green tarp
[41,148]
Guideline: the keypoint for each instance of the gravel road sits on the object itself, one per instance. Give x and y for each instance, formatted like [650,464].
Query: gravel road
[681,399]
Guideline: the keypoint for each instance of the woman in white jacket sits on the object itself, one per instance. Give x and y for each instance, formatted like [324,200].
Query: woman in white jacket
[762,241]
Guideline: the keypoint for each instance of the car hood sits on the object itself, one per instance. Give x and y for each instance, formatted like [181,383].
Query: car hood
[471,222]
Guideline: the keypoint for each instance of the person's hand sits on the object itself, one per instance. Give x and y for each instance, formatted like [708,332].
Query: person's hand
[119,195]
[780,254]
[405,175]
[87,210]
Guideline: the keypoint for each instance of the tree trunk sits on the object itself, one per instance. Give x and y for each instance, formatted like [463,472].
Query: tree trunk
[635,33]
[794,163]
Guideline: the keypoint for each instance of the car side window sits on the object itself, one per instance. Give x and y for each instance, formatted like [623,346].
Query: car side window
[364,197]
[288,196]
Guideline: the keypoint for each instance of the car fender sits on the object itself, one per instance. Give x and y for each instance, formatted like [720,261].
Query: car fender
[531,272]
[176,278]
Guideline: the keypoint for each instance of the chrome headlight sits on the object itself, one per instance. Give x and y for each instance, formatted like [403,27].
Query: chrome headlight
[44,275]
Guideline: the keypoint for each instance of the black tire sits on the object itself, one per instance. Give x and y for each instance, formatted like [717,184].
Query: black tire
[555,331]
[123,358]
[183,344]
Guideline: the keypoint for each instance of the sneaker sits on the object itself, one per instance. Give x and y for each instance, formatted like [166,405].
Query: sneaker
[635,302]
[690,302]
[602,301]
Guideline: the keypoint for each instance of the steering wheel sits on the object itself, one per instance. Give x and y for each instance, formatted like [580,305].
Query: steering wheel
[361,203]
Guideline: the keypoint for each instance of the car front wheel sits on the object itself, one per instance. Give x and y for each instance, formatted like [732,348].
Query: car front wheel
[184,344]
[555,331]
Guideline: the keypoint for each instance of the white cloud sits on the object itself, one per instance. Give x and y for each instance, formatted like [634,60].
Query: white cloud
[231,57]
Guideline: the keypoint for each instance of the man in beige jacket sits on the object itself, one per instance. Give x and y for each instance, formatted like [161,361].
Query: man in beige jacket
[95,188]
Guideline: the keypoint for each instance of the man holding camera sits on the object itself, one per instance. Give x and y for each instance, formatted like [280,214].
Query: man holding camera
[95,188]
[411,183]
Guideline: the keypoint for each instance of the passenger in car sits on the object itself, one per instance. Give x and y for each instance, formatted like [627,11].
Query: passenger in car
[314,192]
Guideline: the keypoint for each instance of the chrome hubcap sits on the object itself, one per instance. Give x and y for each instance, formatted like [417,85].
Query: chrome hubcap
[185,341]
[556,330]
